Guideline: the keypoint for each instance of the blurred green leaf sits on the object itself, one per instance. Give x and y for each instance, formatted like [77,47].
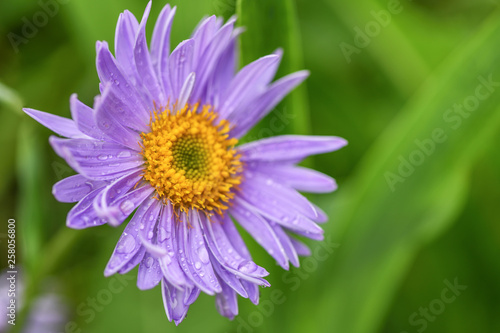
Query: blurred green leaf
[31,190]
[381,223]
[404,66]
[271,24]
[10,98]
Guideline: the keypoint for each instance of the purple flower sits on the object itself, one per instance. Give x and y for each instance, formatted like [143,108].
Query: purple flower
[161,139]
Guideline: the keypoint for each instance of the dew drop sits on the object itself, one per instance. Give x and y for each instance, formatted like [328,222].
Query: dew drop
[203,254]
[163,234]
[124,154]
[247,267]
[149,262]
[127,207]
[126,244]
[197,265]
[102,157]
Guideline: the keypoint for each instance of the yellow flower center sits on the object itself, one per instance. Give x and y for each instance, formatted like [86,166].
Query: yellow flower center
[190,159]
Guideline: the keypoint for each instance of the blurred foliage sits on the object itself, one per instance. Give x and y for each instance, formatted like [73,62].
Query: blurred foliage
[394,248]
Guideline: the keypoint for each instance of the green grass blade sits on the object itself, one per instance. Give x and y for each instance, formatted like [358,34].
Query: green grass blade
[381,226]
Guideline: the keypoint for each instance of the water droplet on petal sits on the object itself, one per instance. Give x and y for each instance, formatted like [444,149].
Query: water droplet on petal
[127,207]
[149,262]
[163,234]
[197,265]
[124,154]
[203,254]
[102,157]
[126,244]
[247,267]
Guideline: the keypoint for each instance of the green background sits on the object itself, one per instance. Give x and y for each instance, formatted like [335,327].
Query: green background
[394,243]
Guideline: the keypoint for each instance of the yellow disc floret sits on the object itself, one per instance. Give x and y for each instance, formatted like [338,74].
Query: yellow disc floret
[190,159]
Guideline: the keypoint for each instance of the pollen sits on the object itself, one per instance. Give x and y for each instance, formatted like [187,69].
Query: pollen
[190,159]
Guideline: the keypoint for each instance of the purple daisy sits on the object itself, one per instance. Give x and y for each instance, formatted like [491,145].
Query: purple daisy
[161,139]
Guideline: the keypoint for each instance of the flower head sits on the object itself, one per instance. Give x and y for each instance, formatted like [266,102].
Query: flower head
[162,140]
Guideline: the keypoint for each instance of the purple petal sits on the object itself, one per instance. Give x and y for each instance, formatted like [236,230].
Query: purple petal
[59,125]
[248,84]
[129,246]
[160,46]
[165,239]
[84,119]
[109,72]
[322,217]
[180,66]
[299,178]
[234,236]
[259,229]
[280,201]
[143,62]
[195,260]
[290,147]
[225,71]
[148,234]
[74,188]
[186,91]
[126,30]
[286,243]
[203,35]
[174,301]
[97,160]
[280,211]
[227,256]
[83,215]
[226,302]
[227,277]
[117,110]
[209,58]
[300,248]
[264,103]
[149,273]
[115,203]
[133,262]
[108,122]
[252,290]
